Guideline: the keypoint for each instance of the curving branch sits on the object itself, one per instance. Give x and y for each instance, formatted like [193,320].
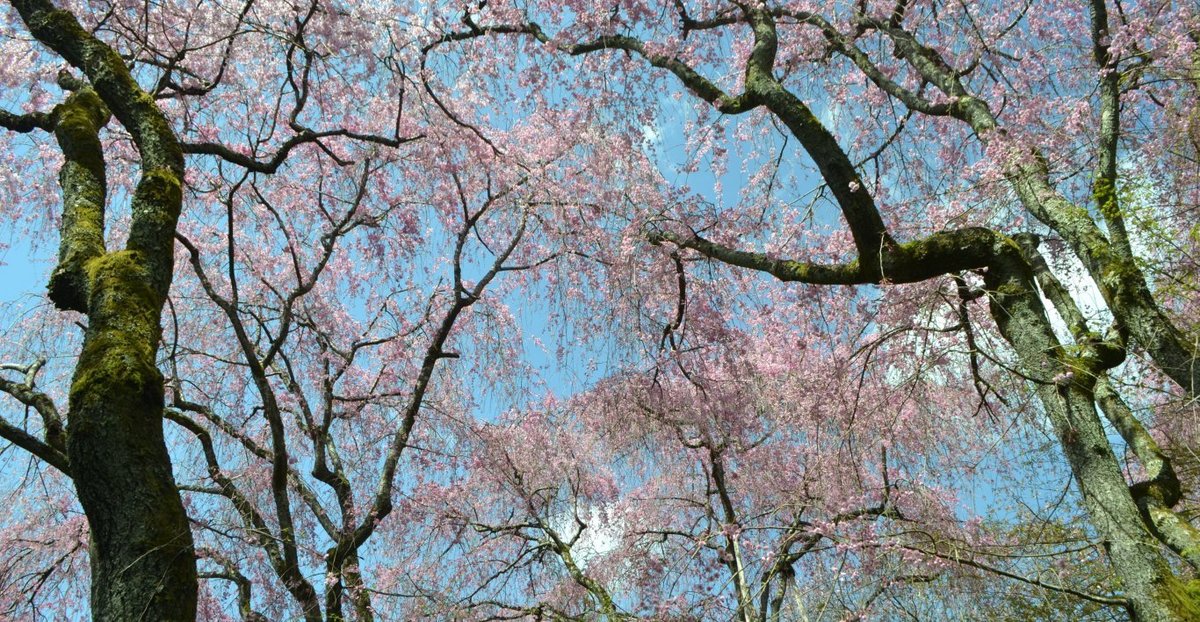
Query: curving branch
[763,89]
[303,137]
[942,253]
[27,393]
[229,572]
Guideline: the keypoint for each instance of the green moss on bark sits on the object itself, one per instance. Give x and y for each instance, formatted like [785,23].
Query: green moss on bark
[142,546]
[77,125]
[144,565]
[1183,597]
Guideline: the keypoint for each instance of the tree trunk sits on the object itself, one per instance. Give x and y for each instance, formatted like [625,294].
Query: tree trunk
[143,566]
[1152,590]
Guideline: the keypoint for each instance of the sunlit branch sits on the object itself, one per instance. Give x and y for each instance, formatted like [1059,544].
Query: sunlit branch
[964,558]
[34,445]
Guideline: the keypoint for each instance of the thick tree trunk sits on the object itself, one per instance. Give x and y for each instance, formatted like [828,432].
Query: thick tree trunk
[143,567]
[1153,591]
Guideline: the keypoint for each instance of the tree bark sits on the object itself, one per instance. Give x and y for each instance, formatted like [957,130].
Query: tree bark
[1152,590]
[1064,384]
[143,563]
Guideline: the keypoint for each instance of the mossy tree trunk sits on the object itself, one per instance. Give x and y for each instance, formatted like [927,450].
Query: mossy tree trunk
[143,558]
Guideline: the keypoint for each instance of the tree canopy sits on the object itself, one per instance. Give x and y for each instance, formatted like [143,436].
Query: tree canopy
[633,310]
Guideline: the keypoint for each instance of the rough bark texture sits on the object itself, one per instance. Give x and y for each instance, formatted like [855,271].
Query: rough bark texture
[143,565]
[1152,590]
[1064,383]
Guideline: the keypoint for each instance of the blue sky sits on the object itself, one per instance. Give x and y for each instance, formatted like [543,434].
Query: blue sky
[20,274]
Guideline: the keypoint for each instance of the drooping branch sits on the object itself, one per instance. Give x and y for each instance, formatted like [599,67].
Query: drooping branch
[703,87]
[305,492]
[862,216]
[966,559]
[167,87]
[845,46]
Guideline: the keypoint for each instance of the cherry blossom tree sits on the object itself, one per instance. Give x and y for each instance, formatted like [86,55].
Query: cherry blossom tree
[1039,104]
[112,446]
[342,239]
[310,385]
